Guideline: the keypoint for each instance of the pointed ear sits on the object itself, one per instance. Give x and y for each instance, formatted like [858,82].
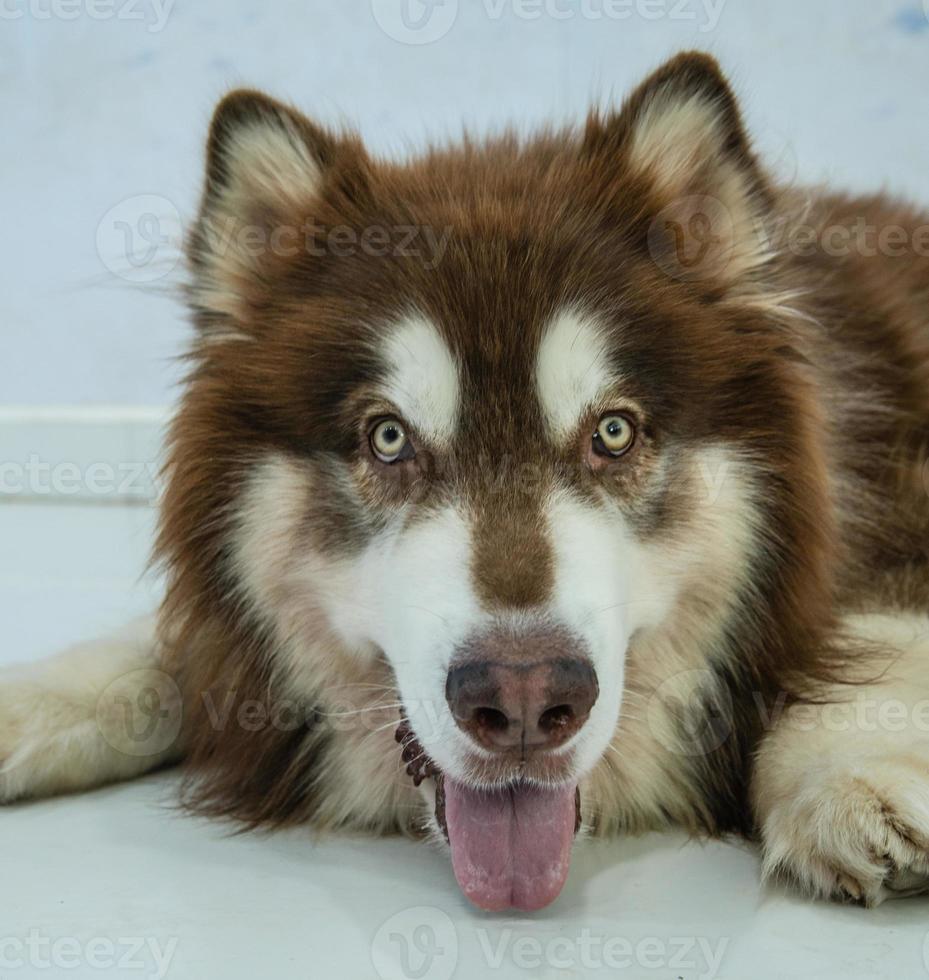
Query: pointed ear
[267,166]
[680,138]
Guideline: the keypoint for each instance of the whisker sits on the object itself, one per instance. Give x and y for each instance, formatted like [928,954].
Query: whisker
[360,711]
[379,729]
[432,612]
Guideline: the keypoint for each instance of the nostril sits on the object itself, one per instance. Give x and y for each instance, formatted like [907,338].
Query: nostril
[556,719]
[521,703]
[490,720]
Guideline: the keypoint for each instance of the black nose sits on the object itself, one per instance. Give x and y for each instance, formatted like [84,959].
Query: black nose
[506,705]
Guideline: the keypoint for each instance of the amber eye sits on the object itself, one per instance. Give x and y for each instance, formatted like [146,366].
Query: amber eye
[614,436]
[389,441]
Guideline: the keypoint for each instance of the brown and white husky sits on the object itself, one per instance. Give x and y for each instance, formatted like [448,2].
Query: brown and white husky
[583,476]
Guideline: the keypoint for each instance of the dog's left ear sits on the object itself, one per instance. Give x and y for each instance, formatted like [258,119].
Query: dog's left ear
[269,169]
[679,140]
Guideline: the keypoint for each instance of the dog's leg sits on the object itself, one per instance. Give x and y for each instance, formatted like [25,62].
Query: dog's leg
[96,713]
[841,791]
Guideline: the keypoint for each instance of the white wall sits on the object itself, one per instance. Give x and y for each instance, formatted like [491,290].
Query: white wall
[97,111]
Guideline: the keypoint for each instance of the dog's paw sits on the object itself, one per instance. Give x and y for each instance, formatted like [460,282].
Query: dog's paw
[861,834]
[95,713]
[19,735]
[33,723]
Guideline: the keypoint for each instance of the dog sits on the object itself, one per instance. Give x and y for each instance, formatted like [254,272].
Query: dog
[534,487]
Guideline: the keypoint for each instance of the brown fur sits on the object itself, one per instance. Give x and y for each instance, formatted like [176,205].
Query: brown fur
[814,367]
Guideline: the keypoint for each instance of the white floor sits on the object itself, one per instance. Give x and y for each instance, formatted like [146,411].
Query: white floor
[116,881]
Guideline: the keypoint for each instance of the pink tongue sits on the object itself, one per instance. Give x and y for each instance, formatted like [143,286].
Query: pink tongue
[510,847]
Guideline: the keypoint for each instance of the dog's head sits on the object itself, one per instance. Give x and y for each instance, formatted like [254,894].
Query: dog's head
[478,426]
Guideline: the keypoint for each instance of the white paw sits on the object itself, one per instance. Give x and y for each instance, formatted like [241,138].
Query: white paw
[30,721]
[861,834]
[96,714]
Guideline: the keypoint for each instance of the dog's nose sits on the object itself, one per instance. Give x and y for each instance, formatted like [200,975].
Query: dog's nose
[509,705]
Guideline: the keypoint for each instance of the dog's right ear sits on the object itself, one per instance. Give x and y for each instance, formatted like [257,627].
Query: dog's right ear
[267,168]
[680,140]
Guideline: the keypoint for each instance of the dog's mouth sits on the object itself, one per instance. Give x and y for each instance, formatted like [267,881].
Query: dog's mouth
[511,845]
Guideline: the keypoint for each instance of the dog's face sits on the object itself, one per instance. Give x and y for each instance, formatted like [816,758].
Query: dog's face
[474,418]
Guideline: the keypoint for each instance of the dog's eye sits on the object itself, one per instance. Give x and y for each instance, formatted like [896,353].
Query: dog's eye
[389,442]
[614,436]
